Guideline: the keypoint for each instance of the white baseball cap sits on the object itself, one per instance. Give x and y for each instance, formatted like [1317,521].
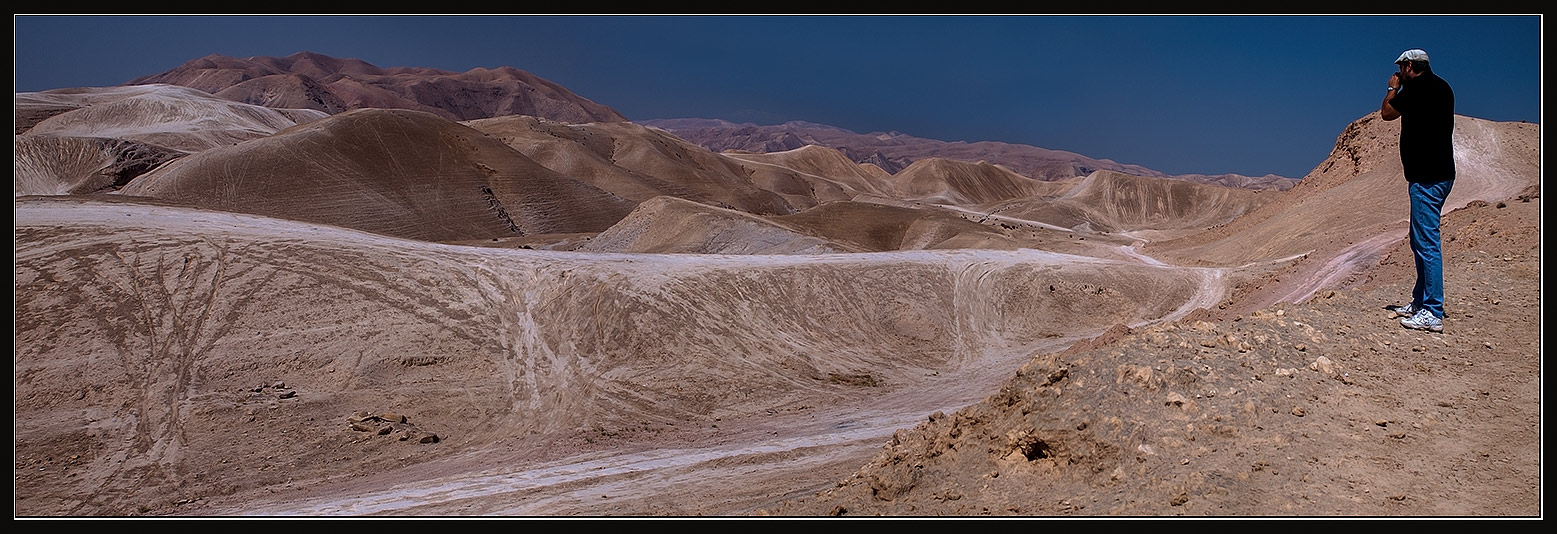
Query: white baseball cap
[1414,54]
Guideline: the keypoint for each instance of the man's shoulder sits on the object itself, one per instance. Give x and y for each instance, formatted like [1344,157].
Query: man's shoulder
[1434,79]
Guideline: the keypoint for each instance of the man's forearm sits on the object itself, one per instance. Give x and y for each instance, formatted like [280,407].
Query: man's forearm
[1387,111]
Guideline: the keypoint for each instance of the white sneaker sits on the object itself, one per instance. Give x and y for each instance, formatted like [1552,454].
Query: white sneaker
[1423,320]
[1404,310]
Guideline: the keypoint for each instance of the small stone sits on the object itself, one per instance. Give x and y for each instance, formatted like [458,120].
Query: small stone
[1325,366]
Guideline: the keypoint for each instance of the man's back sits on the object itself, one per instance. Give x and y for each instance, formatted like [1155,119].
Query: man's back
[1426,106]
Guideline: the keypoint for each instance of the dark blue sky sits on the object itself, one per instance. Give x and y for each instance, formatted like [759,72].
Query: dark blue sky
[1179,94]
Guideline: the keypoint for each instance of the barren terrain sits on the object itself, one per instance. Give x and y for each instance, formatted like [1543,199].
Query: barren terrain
[391,313]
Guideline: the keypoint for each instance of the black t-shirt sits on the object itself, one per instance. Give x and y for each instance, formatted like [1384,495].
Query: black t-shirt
[1426,106]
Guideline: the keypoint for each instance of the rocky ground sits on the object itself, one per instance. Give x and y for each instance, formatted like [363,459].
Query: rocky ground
[1324,408]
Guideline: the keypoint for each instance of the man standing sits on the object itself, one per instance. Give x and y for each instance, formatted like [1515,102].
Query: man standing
[1425,104]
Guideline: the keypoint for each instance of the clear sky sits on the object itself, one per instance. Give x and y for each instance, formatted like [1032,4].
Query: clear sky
[1179,94]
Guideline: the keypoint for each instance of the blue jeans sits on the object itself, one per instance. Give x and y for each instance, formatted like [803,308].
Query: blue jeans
[1426,208]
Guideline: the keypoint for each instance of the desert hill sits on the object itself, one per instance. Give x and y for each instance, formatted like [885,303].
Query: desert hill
[1319,409]
[638,163]
[1342,218]
[171,117]
[943,181]
[833,175]
[309,80]
[1493,161]
[315,81]
[394,172]
[1111,202]
[87,140]
[892,151]
[624,160]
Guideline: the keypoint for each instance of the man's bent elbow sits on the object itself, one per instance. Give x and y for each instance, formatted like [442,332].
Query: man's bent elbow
[1388,113]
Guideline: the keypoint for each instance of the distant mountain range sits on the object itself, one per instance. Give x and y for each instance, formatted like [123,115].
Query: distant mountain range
[308,80]
[894,151]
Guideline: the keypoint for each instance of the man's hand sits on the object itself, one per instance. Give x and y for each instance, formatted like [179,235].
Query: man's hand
[1386,111]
